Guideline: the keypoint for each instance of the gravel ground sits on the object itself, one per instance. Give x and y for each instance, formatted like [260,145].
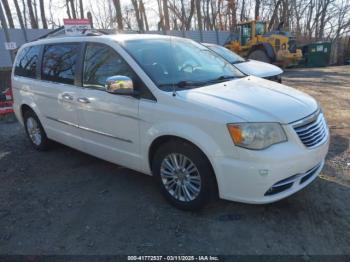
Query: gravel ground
[66,202]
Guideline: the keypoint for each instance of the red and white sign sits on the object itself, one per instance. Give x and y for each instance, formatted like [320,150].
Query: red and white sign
[76,26]
[6,105]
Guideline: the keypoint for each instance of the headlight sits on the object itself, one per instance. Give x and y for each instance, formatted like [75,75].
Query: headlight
[256,135]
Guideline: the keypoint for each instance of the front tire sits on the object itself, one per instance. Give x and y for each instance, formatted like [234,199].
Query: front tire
[184,175]
[259,55]
[35,131]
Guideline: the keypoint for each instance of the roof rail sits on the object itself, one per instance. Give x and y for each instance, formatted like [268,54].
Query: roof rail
[50,33]
[94,32]
[60,31]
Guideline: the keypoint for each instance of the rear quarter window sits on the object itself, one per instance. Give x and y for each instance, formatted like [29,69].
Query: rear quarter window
[27,61]
[59,62]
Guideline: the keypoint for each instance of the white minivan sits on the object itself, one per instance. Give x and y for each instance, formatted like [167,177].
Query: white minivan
[171,108]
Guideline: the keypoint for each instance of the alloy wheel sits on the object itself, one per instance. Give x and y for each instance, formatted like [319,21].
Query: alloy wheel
[180,177]
[34,131]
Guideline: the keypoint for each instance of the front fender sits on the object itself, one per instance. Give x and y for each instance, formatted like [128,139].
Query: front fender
[182,130]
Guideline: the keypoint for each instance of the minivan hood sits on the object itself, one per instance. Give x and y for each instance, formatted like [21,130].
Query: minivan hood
[257,68]
[254,99]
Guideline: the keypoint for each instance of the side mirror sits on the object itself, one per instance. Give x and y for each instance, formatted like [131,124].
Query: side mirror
[120,85]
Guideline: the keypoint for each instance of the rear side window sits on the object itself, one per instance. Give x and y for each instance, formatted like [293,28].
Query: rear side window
[27,61]
[59,62]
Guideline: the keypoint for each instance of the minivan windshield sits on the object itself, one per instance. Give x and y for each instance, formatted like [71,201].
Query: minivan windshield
[230,56]
[179,62]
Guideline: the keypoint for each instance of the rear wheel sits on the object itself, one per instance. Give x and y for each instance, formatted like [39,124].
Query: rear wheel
[184,175]
[259,55]
[35,131]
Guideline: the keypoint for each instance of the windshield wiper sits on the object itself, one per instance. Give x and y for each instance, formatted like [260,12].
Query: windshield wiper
[237,62]
[183,84]
[222,78]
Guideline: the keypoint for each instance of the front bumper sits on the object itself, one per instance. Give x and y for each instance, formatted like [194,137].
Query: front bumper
[253,176]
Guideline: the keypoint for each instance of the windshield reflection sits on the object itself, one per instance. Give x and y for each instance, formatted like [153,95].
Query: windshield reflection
[170,61]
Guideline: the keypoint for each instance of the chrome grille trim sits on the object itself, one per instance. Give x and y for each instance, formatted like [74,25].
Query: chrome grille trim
[307,119]
[312,130]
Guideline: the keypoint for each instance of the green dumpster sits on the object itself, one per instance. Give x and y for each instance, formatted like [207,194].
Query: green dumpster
[316,54]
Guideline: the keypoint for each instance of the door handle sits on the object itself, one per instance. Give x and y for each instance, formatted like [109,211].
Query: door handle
[67,97]
[83,100]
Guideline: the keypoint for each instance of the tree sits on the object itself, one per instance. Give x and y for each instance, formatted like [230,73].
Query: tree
[274,15]
[199,15]
[143,14]
[81,7]
[285,14]
[19,14]
[127,17]
[68,9]
[199,19]
[35,8]
[323,18]
[118,10]
[189,18]
[161,17]
[233,7]
[24,13]
[257,9]
[71,11]
[166,15]
[33,21]
[214,14]
[220,7]
[138,15]
[72,6]
[42,12]
[8,13]
[183,15]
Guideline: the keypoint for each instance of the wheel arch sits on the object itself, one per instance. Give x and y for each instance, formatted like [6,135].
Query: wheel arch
[25,107]
[159,141]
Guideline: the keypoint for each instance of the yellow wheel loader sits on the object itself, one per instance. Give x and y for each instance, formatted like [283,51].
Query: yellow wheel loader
[272,47]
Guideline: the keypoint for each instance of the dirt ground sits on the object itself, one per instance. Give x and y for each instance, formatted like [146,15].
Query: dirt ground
[67,202]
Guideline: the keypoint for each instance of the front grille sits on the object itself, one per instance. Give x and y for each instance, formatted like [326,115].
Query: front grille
[313,130]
